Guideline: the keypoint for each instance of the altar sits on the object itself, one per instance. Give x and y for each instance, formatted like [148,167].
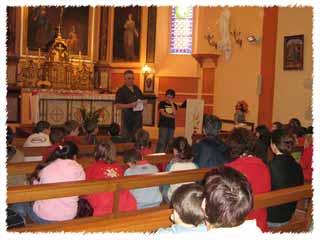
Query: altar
[57,107]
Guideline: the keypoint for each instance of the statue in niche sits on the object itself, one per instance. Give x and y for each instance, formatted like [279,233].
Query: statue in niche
[225,44]
[129,35]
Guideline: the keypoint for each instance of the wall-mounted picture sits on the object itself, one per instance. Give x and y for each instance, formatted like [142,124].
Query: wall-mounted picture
[126,34]
[293,52]
[148,83]
[43,23]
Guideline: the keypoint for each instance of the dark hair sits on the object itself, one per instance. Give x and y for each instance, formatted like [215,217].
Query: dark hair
[171,92]
[128,72]
[184,149]
[228,196]
[309,130]
[131,156]
[295,127]
[90,126]
[40,126]
[114,129]
[65,151]
[278,125]
[142,139]
[186,201]
[264,134]
[211,125]
[105,151]
[241,141]
[56,135]
[294,122]
[10,135]
[284,140]
[70,126]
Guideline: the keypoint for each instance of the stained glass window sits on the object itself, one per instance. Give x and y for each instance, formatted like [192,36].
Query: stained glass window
[181,30]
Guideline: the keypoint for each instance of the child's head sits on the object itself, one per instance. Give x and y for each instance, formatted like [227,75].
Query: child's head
[114,129]
[56,135]
[211,125]
[182,149]
[277,125]
[131,157]
[241,141]
[142,139]
[170,94]
[68,150]
[105,151]
[263,133]
[72,127]
[186,203]
[228,198]
[42,127]
[92,127]
[282,141]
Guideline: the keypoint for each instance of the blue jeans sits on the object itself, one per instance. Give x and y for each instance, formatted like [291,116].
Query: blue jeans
[274,224]
[165,135]
[26,209]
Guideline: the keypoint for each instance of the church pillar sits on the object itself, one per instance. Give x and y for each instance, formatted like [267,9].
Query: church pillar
[208,64]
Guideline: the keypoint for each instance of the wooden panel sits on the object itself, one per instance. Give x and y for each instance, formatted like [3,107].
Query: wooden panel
[117,81]
[208,109]
[268,61]
[208,80]
[179,84]
[207,99]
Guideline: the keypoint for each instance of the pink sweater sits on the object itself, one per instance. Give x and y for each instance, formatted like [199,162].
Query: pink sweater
[59,209]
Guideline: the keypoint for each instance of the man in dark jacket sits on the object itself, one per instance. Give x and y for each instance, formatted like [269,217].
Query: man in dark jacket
[210,151]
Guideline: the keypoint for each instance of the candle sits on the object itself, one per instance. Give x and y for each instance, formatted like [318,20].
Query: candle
[79,54]
[39,52]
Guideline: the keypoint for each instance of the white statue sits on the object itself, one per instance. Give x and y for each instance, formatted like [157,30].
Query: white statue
[225,44]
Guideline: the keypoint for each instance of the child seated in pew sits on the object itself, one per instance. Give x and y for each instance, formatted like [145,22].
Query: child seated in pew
[285,172]
[106,167]
[14,155]
[142,142]
[187,215]
[182,160]
[114,131]
[61,166]
[40,136]
[56,138]
[306,159]
[72,131]
[92,129]
[145,197]
[228,199]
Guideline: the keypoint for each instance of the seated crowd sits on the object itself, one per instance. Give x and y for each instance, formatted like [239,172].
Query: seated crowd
[241,166]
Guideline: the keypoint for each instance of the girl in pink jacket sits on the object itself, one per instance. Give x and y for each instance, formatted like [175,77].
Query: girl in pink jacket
[61,166]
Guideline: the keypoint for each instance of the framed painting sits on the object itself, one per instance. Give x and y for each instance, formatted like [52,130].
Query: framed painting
[42,26]
[293,52]
[126,34]
[148,83]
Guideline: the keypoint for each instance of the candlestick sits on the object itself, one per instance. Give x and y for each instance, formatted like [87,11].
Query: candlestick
[39,54]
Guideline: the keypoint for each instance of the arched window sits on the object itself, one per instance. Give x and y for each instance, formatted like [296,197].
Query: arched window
[181,30]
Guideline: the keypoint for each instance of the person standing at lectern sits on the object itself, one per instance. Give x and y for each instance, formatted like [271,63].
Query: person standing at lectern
[129,98]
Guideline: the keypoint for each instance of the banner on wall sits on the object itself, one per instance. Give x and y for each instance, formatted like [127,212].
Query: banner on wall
[194,118]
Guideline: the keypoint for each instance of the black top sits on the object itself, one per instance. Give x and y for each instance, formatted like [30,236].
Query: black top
[164,121]
[210,152]
[125,96]
[261,150]
[131,120]
[284,172]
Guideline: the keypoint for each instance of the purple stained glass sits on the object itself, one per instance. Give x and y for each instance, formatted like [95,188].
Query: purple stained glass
[181,30]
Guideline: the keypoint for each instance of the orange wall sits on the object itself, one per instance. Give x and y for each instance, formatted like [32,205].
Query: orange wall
[293,89]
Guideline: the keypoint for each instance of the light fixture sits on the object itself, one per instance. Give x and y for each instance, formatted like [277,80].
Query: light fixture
[253,39]
[210,38]
[237,37]
[146,69]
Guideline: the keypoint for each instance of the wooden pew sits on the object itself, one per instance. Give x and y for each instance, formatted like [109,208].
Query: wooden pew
[24,168]
[83,149]
[160,218]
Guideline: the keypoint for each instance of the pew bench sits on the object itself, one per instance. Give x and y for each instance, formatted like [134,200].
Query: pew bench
[133,222]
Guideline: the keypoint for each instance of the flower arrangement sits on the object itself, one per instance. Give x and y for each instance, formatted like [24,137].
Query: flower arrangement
[242,106]
[91,116]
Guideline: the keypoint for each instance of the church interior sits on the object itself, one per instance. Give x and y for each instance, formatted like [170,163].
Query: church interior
[67,63]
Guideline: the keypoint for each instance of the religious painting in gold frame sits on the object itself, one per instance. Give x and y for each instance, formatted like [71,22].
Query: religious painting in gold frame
[126,34]
[40,27]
